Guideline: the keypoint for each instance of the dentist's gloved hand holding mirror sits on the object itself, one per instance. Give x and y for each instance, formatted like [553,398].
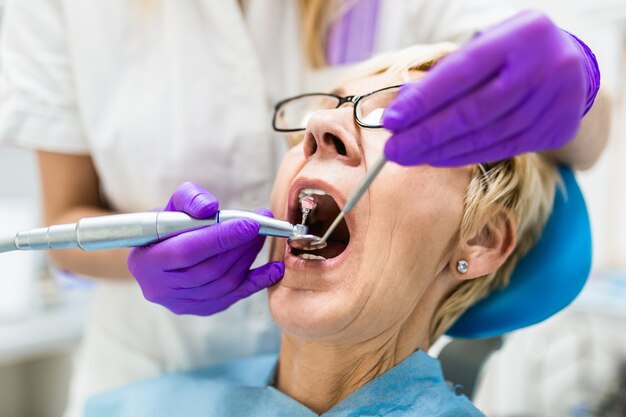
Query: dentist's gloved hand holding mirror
[203,271]
[491,99]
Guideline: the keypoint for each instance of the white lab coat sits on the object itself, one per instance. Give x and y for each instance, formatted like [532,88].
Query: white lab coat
[183,92]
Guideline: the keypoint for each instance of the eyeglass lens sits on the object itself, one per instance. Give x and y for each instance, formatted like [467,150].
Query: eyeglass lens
[370,109]
[295,113]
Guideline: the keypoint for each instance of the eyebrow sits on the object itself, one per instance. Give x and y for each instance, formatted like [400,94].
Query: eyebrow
[339,91]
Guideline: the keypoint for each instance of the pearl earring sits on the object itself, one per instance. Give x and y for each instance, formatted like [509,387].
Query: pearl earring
[462,266]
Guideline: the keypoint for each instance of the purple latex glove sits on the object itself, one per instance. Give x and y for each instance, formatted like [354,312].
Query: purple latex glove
[203,271]
[520,86]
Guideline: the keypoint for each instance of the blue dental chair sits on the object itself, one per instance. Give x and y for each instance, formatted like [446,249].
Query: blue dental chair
[544,282]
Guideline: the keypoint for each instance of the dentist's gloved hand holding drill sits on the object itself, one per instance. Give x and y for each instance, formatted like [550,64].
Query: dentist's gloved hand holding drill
[203,271]
[491,99]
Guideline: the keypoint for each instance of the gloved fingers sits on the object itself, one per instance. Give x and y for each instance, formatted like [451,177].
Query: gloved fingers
[191,248]
[214,280]
[232,279]
[462,160]
[511,146]
[470,113]
[265,212]
[193,200]
[256,280]
[165,290]
[213,268]
[510,125]
[260,278]
[456,75]
[219,288]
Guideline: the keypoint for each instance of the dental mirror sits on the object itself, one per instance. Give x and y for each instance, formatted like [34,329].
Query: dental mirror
[306,242]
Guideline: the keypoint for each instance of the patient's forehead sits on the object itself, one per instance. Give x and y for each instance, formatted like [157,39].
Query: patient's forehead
[363,85]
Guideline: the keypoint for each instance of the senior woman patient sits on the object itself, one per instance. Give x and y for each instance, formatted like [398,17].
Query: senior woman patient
[357,317]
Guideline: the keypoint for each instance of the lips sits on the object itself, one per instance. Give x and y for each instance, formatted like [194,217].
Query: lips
[328,203]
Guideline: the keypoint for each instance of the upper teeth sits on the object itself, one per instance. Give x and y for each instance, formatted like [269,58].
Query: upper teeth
[307,192]
[311,256]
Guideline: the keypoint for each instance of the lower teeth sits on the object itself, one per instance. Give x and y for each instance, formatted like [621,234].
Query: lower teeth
[311,257]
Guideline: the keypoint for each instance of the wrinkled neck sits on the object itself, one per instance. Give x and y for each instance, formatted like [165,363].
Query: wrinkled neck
[319,374]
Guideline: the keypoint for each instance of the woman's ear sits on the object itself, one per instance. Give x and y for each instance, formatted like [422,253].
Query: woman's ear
[487,249]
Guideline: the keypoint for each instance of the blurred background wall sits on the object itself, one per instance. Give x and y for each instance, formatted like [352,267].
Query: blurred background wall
[563,367]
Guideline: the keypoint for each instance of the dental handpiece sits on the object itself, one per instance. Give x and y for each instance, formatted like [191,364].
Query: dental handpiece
[135,229]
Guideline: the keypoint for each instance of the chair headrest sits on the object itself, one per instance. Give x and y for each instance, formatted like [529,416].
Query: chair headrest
[546,279]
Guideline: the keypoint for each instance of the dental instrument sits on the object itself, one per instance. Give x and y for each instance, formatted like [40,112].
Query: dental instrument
[137,229]
[311,242]
[308,205]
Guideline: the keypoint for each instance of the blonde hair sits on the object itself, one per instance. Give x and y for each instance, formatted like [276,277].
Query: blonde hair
[524,186]
[315,17]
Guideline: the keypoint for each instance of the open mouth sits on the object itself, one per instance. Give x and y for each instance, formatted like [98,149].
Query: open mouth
[318,221]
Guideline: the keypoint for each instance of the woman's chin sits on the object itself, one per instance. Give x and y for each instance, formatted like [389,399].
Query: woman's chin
[310,313]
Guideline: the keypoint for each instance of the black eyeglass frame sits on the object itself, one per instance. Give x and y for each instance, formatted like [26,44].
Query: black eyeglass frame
[484,167]
[341,101]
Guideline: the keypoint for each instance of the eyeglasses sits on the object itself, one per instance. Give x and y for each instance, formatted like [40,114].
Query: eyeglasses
[293,114]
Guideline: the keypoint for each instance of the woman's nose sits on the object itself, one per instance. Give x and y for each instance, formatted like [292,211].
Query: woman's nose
[333,134]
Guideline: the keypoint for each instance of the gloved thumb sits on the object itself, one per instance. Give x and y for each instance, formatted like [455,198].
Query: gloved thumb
[193,200]
[265,212]
[260,278]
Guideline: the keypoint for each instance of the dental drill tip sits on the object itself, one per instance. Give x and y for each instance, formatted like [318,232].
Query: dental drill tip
[308,203]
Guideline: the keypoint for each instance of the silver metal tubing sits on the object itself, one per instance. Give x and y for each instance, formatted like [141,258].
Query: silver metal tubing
[134,229]
[7,244]
[269,225]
